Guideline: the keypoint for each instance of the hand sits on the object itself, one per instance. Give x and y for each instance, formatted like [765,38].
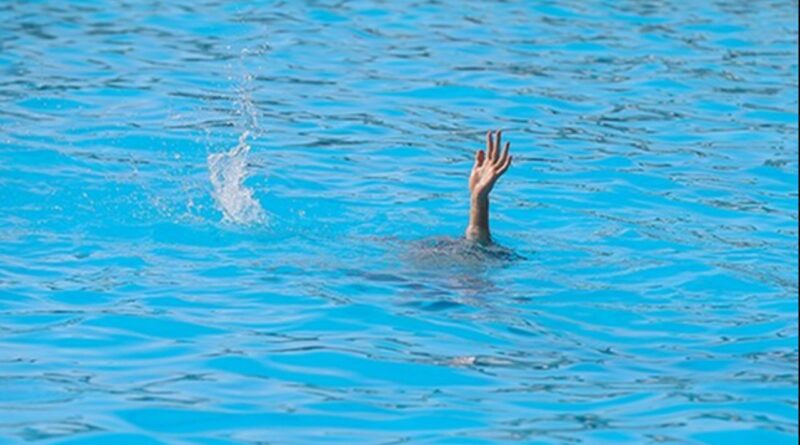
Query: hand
[488,166]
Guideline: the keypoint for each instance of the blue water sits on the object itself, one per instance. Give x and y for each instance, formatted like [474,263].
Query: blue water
[236,223]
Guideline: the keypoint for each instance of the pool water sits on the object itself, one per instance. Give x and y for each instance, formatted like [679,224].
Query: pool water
[239,223]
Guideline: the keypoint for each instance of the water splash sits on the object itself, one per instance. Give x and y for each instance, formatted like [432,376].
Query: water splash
[228,171]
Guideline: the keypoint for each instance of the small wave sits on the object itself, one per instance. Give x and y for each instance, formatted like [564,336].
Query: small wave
[228,171]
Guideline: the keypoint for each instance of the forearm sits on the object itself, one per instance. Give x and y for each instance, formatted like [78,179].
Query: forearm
[478,229]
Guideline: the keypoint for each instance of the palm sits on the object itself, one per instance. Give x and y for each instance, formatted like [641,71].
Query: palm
[482,179]
[489,166]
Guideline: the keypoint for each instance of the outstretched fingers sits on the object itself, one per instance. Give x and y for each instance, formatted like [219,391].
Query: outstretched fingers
[497,144]
[496,155]
[502,159]
[489,145]
[504,166]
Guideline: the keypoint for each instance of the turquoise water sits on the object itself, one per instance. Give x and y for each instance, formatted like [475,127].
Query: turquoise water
[230,223]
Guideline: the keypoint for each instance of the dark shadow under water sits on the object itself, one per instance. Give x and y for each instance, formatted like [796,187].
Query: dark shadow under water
[452,272]
[459,253]
[441,272]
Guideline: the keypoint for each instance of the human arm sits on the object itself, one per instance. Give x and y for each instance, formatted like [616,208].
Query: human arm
[488,168]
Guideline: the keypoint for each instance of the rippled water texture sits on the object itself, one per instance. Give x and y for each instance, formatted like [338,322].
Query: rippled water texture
[228,223]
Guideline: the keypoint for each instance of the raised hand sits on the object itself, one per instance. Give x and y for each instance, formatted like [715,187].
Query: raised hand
[489,165]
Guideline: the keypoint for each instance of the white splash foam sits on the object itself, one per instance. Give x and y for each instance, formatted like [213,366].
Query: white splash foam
[228,171]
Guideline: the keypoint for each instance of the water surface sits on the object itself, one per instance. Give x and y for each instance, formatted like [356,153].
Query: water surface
[235,223]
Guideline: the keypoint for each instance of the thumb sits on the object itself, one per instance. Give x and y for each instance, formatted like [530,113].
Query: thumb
[480,156]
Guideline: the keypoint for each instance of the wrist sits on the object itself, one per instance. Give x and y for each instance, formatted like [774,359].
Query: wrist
[479,198]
